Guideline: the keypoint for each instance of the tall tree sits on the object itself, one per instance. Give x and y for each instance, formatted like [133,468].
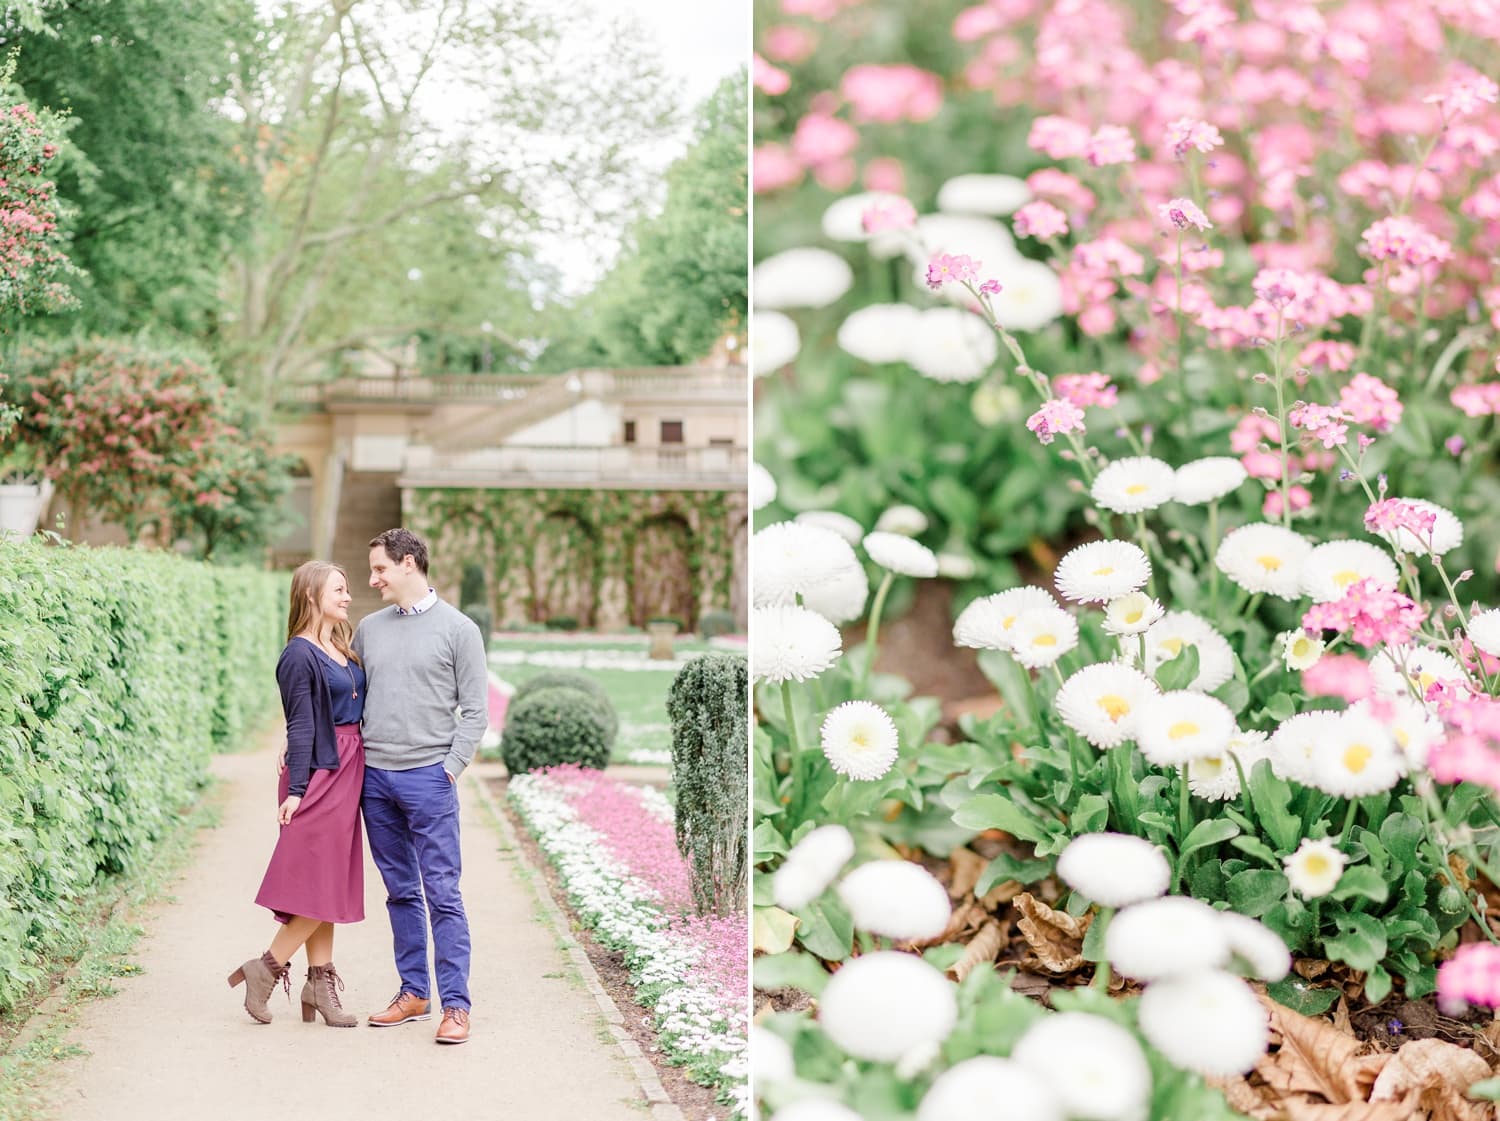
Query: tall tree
[410,150]
[682,281]
[151,165]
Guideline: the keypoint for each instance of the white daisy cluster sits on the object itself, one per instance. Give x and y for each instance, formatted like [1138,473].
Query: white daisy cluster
[1353,753]
[590,658]
[692,1021]
[1026,623]
[893,898]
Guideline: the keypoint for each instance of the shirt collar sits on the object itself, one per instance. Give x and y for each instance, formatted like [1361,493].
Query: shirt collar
[424,604]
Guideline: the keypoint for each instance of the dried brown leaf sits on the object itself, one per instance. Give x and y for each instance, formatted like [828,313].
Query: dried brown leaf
[981,950]
[1056,937]
[1310,968]
[1341,1016]
[1299,1109]
[1244,1098]
[1437,1074]
[1315,1057]
[967,866]
[1001,894]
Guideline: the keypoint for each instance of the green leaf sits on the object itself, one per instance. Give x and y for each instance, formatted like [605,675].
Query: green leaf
[1401,834]
[1486,1091]
[997,811]
[1255,891]
[772,930]
[1294,993]
[826,930]
[768,842]
[1179,671]
[1270,797]
[1212,831]
[1013,682]
[1254,846]
[1093,937]
[1360,943]
[1089,815]
[1377,984]
[1362,882]
[792,970]
[1006,867]
[1235,693]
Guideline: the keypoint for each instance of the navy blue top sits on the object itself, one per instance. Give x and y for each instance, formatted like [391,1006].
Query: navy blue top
[346,684]
[307,686]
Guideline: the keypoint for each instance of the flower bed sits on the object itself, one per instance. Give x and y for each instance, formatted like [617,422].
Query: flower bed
[615,854]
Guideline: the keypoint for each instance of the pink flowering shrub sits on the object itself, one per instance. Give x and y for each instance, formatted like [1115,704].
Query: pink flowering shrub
[34,267]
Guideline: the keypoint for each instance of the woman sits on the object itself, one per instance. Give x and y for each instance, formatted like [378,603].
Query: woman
[316,875]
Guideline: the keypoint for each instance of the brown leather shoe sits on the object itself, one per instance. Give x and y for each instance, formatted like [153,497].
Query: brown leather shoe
[455,1026]
[403,1007]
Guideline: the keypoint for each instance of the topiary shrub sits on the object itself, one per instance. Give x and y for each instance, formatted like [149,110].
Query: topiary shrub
[550,727]
[715,622]
[483,618]
[562,623]
[561,679]
[710,768]
[472,586]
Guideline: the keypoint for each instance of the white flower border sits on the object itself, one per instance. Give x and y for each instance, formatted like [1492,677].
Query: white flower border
[627,915]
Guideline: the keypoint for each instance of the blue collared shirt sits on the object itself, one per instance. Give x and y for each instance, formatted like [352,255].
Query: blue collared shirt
[424,604]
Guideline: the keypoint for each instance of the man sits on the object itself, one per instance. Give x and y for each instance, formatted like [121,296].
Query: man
[425,660]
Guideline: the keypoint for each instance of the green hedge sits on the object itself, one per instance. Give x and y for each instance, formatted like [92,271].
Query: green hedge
[553,727]
[120,672]
[708,704]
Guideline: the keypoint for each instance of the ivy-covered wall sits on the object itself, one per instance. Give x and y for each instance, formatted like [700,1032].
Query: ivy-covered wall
[605,558]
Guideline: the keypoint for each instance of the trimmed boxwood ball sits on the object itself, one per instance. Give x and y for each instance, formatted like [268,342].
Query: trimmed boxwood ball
[561,679]
[550,727]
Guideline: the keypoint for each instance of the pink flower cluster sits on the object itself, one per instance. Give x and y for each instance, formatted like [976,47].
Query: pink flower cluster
[1040,219]
[892,214]
[1186,135]
[1369,401]
[1056,417]
[1373,614]
[947,267]
[1470,977]
[1391,514]
[1084,390]
[1481,399]
[1184,214]
[1346,676]
[1322,422]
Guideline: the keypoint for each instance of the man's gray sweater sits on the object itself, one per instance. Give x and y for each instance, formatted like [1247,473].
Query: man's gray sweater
[427,696]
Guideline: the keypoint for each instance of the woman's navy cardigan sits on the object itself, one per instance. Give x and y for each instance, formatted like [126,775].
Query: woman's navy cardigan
[308,705]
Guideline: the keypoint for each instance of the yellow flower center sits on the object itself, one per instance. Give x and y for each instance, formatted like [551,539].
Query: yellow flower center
[1357,757]
[1182,729]
[1210,767]
[1345,578]
[1403,738]
[1268,562]
[1114,706]
[1105,571]
[1134,617]
[1425,680]
[1137,488]
[1044,640]
[1301,647]
[1172,646]
[1008,622]
[1316,864]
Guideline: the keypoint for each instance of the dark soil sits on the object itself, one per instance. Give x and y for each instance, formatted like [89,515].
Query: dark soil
[694,1100]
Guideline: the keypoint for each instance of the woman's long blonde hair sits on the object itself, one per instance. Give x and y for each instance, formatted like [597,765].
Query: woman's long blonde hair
[308,585]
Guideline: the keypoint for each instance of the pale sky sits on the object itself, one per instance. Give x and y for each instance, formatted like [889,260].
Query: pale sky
[701,40]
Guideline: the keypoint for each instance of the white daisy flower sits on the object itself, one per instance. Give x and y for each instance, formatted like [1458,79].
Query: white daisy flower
[831,520]
[1163,937]
[1398,671]
[860,740]
[1257,945]
[801,278]
[791,644]
[951,344]
[814,862]
[1446,535]
[1176,629]
[774,341]
[1300,650]
[1173,728]
[816,1109]
[986,1088]
[1209,1022]
[1484,632]
[982,239]
[1261,557]
[1030,296]
[1314,869]
[1331,567]
[1094,1065]
[987,623]
[896,899]
[770,1057]
[1114,869]
[1207,480]
[983,194]
[908,521]
[1414,728]
[844,220]
[792,558]
[901,555]
[1360,758]
[1296,740]
[1134,484]
[882,1006]
[879,333]
[1101,570]
[1215,778]
[841,598]
[762,487]
[1131,614]
[1100,702]
[957,566]
[1043,635]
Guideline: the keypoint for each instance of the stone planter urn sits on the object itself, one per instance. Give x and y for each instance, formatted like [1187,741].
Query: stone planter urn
[661,632]
[21,506]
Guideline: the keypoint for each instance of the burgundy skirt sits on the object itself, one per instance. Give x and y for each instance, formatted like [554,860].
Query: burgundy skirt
[318,868]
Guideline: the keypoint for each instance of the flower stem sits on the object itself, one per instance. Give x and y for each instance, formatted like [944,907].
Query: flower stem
[1213,549]
[1145,543]
[874,630]
[791,717]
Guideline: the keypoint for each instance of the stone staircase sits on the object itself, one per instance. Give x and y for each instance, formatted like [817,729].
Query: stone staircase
[369,502]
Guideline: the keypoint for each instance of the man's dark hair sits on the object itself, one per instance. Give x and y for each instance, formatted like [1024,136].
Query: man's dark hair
[399,543]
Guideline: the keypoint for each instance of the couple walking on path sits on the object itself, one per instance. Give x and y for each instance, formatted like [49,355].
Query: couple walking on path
[380,724]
